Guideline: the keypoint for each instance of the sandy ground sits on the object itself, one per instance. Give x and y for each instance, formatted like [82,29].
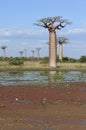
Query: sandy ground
[43,108]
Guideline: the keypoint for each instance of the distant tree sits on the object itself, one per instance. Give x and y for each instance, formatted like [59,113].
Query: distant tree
[49,24]
[25,51]
[21,53]
[4,49]
[38,49]
[82,59]
[33,51]
[65,59]
[72,60]
[61,41]
[69,60]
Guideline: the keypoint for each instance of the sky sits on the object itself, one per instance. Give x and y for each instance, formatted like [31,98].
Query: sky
[18,32]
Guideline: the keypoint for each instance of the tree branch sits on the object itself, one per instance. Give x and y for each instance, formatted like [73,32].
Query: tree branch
[47,22]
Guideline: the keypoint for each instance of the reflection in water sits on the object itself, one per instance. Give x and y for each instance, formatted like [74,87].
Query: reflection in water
[42,77]
[51,77]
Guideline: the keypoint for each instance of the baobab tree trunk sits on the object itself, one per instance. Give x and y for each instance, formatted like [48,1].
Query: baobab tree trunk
[4,53]
[52,49]
[60,52]
[38,55]
[38,49]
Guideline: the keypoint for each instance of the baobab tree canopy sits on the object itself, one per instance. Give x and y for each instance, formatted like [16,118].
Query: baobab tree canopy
[49,23]
[62,40]
[3,47]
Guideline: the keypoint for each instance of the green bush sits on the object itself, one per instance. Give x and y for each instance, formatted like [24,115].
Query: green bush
[44,60]
[16,61]
[82,59]
[69,60]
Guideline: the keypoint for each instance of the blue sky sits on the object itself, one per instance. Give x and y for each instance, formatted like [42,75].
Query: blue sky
[18,32]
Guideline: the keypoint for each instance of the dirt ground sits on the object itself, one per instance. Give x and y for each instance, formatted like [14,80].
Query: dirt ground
[43,108]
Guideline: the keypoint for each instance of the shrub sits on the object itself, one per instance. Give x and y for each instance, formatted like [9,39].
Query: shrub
[45,60]
[15,61]
[82,59]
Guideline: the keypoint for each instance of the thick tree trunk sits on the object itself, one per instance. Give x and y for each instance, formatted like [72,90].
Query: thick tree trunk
[60,52]
[52,49]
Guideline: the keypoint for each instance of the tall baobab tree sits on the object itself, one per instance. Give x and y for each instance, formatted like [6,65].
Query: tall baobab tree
[38,49]
[21,53]
[61,41]
[4,50]
[25,51]
[49,23]
[33,51]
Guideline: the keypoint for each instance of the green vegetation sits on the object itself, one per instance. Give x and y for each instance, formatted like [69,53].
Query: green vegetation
[82,59]
[44,60]
[70,60]
[16,61]
[28,63]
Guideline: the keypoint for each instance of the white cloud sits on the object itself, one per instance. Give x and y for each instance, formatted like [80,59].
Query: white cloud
[24,43]
[13,32]
[76,46]
[4,40]
[43,41]
[4,32]
[75,42]
[77,31]
[80,30]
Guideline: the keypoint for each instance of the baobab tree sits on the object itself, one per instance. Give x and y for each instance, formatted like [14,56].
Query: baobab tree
[49,23]
[33,51]
[38,49]
[61,41]
[4,50]
[21,53]
[25,51]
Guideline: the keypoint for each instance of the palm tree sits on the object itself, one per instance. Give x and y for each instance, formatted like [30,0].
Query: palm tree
[49,24]
[38,49]
[4,50]
[61,41]
[21,53]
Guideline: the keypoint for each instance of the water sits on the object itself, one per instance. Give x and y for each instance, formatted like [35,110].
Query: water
[41,77]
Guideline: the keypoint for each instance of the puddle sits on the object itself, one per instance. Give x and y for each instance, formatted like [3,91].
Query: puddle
[41,77]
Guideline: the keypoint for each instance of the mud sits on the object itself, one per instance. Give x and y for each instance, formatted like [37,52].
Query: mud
[22,107]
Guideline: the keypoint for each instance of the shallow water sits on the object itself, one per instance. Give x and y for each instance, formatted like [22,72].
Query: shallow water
[41,77]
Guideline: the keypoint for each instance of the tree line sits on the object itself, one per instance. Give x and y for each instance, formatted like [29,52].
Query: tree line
[41,60]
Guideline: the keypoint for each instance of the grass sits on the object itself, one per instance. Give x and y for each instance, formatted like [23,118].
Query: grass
[73,66]
[35,65]
[55,79]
